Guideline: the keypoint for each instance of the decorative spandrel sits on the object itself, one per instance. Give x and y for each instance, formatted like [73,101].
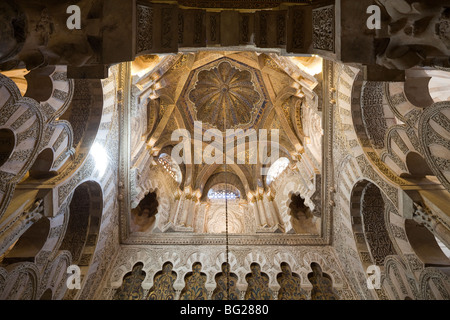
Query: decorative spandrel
[258,284]
[322,284]
[163,284]
[194,288]
[290,284]
[224,291]
[131,288]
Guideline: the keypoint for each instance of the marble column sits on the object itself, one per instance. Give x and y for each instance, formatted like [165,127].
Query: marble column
[273,210]
[261,212]
[183,215]
[254,205]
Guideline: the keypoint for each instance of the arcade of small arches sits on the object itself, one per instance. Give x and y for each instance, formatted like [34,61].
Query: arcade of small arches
[227,284]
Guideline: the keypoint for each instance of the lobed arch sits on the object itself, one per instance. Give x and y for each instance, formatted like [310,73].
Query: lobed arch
[25,275]
[424,245]
[131,287]
[23,128]
[434,133]
[329,265]
[42,166]
[306,220]
[260,167]
[47,85]
[399,105]
[50,88]
[166,145]
[56,271]
[426,86]
[288,258]
[399,141]
[143,216]
[125,267]
[291,183]
[222,258]
[164,195]
[323,289]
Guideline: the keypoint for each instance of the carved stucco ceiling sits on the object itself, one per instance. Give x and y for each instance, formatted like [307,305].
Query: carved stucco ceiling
[223,90]
[226,90]
[224,94]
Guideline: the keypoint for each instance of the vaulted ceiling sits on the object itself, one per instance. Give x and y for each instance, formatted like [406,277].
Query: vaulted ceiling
[225,90]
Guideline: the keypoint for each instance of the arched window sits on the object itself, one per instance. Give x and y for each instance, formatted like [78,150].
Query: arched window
[171,167]
[217,214]
[276,169]
[223,191]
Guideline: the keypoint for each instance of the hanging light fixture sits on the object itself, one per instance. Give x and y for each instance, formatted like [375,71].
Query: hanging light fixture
[226,233]
[227,249]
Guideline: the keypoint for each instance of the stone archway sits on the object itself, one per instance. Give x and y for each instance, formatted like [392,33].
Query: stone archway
[83,227]
[425,246]
[30,243]
[368,223]
[322,284]
[42,166]
[143,216]
[302,218]
[417,166]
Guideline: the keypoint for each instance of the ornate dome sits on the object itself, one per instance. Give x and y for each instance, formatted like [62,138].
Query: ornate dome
[224,96]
